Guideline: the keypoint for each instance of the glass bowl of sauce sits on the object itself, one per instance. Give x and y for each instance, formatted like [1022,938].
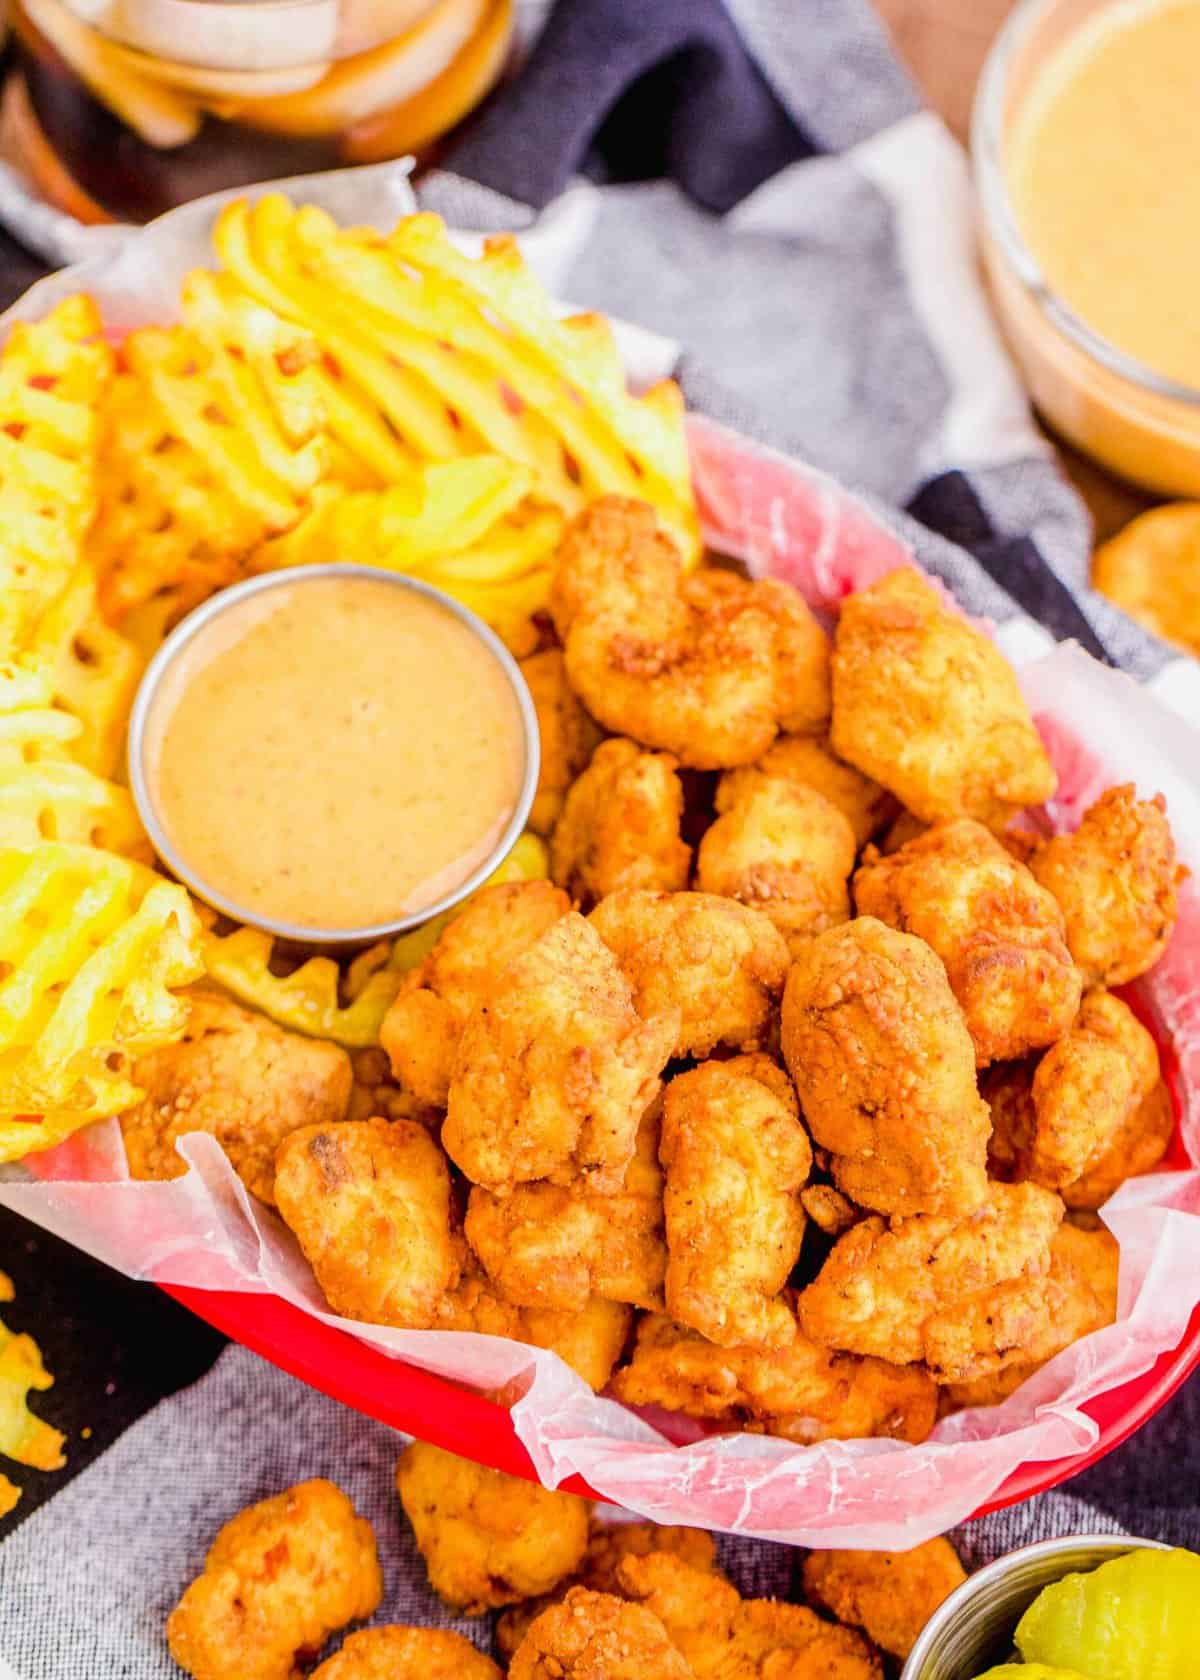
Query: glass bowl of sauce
[332,753]
[1086,148]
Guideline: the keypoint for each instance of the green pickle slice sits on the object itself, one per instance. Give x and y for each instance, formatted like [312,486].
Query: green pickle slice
[1134,1618]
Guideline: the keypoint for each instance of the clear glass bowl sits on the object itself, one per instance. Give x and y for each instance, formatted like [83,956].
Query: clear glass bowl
[1131,419]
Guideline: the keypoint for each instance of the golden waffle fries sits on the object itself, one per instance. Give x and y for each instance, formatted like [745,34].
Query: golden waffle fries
[92,950]
[92,670]
[1152,570]
[310,998]
[24,1438]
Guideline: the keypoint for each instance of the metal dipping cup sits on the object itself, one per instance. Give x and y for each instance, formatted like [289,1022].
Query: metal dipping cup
[973,1630]
[210,892]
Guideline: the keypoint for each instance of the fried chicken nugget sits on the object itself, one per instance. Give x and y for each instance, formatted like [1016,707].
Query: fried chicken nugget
[885,1070]
[1081,1297]
[422,1029]
[965,1295]
[546,1246]
[810,761]
[718,966]
[279,1578]
[708,667]
[735,1157]
[407,1653]
[1152,569]
[555,1072]
[1137,1147]
[595,1636]
[487,1539]
[724,1636]
[620,825]
[928,706]
[890,1595]
[1116,880]
[1051,1126]
[240,1078]
[802,1392]
[1000,935]
[369,1203]
[567,734]
[783,848]
[590,1341]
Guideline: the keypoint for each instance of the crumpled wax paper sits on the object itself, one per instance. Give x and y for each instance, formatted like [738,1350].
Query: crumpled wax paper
[204,1230]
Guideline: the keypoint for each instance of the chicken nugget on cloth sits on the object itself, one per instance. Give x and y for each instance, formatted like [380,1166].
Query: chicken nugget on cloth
[487,1539]
[717,965]
[803,1392]
[1081,1297]
[724,1636]
[707,666]
[239,1077]
[1053,1121]
[424,1024]
[369,1203]
[596,1636]
[810,761]
[1151,569]
[1116,879]
[890,1595]
[554,1073]
[1001,936]
[407,1653]
[735,1157]
[567,735]
[926,704]
[785,849]
[620,825]
[279,1578]
[964,1295]
[547,1246]
[884,1067]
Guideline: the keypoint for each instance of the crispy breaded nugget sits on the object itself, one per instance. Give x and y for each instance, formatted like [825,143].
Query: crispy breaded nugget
[620,825]
[1138,1146]
[928,706]
[422,1029]
[1050,1124]
[554,1074]
[812,762]
[786,850]
[1000,935]
[962,1294]
[407,1653]
[279,1578]
[1151,568]
[890,1595]
[487,1539]
[734,1156]
[239,1077]
[724,1636]
[828,1209]
[568,735]
[590,1341]
[608,1543]
[718,965]
[546,1246]
[885,1070]
[595,1636]
[1116,880]
[1081,1296]
[801,1391]
[369,1202]
[708,666]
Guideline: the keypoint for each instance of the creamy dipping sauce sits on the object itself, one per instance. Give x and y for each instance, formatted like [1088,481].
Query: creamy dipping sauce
[1103,168]
[334,752]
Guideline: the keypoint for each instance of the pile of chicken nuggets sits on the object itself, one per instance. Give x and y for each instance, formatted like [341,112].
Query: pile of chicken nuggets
[579,1598]
[789,1100]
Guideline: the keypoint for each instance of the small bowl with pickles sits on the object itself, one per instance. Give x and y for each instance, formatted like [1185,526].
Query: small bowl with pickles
[1085,1607]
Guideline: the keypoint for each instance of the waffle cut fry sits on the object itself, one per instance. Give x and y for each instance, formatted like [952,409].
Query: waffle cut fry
[214,441]
[53,374]
[463,356]
[316,998]
[93,948]
[24,1438]
[91,669]
[44,795]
